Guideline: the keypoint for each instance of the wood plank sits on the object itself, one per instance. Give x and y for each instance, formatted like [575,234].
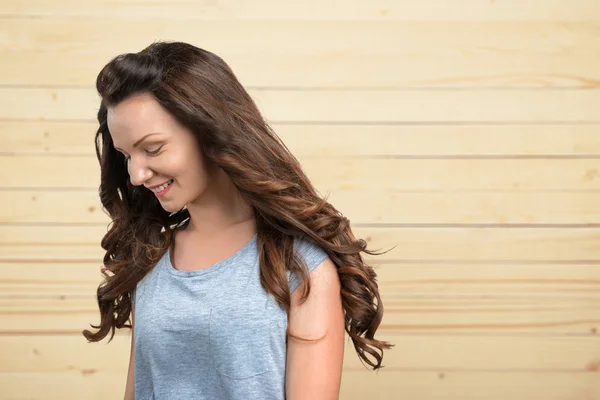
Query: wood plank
[54,207]
[64,301]
[409,285]
[483,243]
[361,207]
[352,174]
[474,54]
[475,69]
[75,138]
[346,106]
[471,385]
[383,10]
[63,243]
[472,317]
[427,298]
[432,284]
[318,37]
[67,385]
[356,385]
[33,353]
[50,312]
[52,274]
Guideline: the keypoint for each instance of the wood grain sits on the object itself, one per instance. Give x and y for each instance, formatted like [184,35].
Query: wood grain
[331,10]
[327,140]
[356,385]
[477,69]
[419,298]
[465,139]
[345,106]
[331,54]
[463,244]
[49,313]
[470,385]
[349,173]
[361,207]
[55,354]
[430,284]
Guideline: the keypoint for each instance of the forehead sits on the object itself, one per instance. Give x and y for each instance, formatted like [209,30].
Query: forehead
[135,117]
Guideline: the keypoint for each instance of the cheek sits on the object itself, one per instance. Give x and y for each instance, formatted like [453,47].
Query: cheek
[196,163]
[186,166]
[172,165]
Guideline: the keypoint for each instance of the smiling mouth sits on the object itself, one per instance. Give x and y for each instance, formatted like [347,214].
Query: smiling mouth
[161,188]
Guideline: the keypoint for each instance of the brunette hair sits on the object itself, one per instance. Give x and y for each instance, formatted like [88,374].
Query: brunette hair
[200,90]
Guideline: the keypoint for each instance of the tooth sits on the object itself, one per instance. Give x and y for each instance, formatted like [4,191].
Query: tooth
[161,188]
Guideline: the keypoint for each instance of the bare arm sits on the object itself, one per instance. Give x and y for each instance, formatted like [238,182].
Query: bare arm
[314,369]
[130,388]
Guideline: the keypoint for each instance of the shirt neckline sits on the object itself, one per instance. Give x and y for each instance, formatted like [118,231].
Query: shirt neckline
[213,268]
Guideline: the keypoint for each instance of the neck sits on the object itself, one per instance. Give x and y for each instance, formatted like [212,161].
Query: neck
[220,209]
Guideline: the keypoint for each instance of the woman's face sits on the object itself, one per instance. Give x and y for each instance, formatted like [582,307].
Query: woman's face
[162,155]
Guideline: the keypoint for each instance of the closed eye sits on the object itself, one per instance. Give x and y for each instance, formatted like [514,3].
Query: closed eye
[154,152]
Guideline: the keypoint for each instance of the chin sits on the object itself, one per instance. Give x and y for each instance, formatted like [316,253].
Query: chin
[170,207]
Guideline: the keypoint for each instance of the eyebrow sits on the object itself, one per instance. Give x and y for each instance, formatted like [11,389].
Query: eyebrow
[136,144]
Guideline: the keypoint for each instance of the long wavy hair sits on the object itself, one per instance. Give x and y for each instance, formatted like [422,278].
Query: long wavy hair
[200,90]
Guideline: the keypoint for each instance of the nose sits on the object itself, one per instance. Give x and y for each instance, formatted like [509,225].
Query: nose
[139,172]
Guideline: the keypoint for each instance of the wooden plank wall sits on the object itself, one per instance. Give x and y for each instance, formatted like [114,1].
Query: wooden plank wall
[464,133]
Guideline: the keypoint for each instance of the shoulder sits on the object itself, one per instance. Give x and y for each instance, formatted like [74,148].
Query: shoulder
[310,253]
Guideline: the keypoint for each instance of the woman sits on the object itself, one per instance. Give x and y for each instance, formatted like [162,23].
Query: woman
[239,278]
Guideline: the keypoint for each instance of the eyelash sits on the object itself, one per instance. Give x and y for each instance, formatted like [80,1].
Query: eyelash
[150,153]
[154,152]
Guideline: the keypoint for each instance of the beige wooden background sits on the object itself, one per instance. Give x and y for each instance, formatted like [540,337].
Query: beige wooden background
[465,132]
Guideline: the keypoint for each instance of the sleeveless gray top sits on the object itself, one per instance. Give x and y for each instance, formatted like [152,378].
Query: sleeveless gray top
[212,333]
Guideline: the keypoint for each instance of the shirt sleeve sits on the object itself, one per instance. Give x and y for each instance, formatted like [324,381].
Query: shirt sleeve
[312,255]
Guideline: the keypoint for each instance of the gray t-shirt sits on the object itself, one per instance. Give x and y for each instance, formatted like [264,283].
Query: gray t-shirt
[213,333]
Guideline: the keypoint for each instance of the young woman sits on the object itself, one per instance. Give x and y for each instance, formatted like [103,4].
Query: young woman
[239,278]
